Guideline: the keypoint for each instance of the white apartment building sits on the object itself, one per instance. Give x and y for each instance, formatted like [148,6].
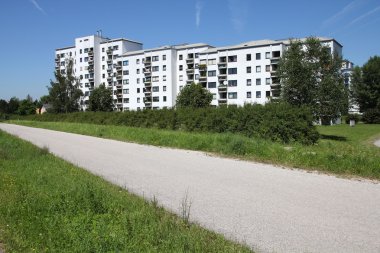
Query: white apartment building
[152,78]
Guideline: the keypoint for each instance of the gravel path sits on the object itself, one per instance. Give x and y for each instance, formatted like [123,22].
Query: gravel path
[269,208]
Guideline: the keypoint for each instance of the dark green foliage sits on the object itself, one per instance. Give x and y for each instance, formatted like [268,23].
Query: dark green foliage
[371,116]
[310,75]
[101,99]
[64,92]
[274,121]
[194,96]
[366,85]
[354,116]
[27,106]
[3,106]
[13,105]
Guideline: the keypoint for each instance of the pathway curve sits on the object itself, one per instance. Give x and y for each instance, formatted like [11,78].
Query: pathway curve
[269,208]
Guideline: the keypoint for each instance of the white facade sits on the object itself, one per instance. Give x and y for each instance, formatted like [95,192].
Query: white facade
[152,78]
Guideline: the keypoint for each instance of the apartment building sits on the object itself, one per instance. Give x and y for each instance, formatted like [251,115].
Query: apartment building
[152,78]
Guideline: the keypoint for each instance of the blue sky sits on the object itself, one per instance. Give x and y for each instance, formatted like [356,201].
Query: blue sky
[30,30]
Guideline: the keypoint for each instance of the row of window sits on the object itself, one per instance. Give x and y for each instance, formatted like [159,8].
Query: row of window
[138,90]
[233,71]
[234,95]
[138,100]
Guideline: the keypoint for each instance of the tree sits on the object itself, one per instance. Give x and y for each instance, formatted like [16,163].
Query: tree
[101,99]
[365,88]
[3,106]
[64,92]
[310,75]
[194,96]
[13,105]
[27,106]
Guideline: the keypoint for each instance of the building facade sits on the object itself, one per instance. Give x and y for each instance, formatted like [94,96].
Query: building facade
[152,78]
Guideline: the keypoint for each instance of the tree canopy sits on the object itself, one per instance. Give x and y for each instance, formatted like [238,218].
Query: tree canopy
[101,99]
[64,92]
[311,75]
[193,96]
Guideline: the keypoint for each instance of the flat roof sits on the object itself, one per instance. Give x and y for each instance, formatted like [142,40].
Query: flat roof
[176,47]
[120,39]
[63,48]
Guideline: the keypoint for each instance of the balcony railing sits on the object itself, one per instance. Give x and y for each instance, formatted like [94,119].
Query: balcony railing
[222,87]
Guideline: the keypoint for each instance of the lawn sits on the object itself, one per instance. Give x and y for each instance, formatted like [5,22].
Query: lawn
[49,205]
[342,150]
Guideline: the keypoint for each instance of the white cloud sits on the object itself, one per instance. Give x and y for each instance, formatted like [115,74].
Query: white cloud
[238,11]
[198,9]
[38,7]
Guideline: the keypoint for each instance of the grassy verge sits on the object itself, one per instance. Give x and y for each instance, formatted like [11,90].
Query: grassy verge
[49,205]
[342,150]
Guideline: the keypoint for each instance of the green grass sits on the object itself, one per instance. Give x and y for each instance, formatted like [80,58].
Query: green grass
[49,205]
[342,150]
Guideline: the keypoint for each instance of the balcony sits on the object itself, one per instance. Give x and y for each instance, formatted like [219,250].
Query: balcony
[202,67]
[57,59]
[90,52]
[147,91]
[109,79]
[118,67]
[190,61]
[203,78]
[91,78]
[119,77]
[222,65]
[222,77]
[91,70]
[109,70]
[273,74]
[119,95]
[222,88]
[119,85]
[147,61]
[109,61]
[147,71]
[222,100]
[190,71]
[109,51]
[189,81]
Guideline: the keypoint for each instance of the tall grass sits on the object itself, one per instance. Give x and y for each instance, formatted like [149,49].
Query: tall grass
[49,205]
[342,150]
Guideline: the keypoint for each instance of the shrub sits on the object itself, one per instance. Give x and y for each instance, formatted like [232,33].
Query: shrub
[274,121]
[354,116]
[371,116]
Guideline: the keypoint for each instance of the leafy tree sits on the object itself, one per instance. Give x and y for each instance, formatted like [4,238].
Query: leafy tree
[101,99]
[310,75]
[27,106]
[366,85]
[13,105]
[194,96]
[3,106]
[64,92]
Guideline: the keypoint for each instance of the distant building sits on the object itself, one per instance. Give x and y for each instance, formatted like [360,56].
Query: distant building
[152,78]
[347,69]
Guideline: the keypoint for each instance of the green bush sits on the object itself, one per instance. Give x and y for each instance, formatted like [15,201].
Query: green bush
[354,116]
[274,121]
[371,116]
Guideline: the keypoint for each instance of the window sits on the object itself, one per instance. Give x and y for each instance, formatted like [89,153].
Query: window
[155,68]
[62,63]
[138,80]
[267,55]
[164,57]
[155,58]
[103,67]
[232,83]
[63,71]
[164,68]
[103,58]
[211,85]
[125,63]
[232,71]
[258,94]
[126,81]
[232,95]
[138,100]
[164,98]
[138,90]
[80,59]
[196,76]
[115,47]
[181,77]
[104,76]
[155,79]
[80,51]
[258,69]
[249,82]
[86,50]
[126,91]
[267,81]
[156,99]
[249,70]
[258,56]
[163,78]
[258,81]
[211,73]
[213,96]
[267,68]
[180,67]
[180,57]
[126,100]
[180,87]
[164,88]
[202,62]
[125,72]
[196,55]
[103,49]
[211,61]
[137,71]
[137,61]
[267,93]
[249,57]
[155,88]
[249,94]
[86,76]
[85,59]
[232,58]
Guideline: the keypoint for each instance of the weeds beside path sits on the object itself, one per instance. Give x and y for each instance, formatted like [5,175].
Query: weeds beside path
[342,150]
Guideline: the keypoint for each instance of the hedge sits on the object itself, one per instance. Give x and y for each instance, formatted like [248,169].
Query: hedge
[274,121]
